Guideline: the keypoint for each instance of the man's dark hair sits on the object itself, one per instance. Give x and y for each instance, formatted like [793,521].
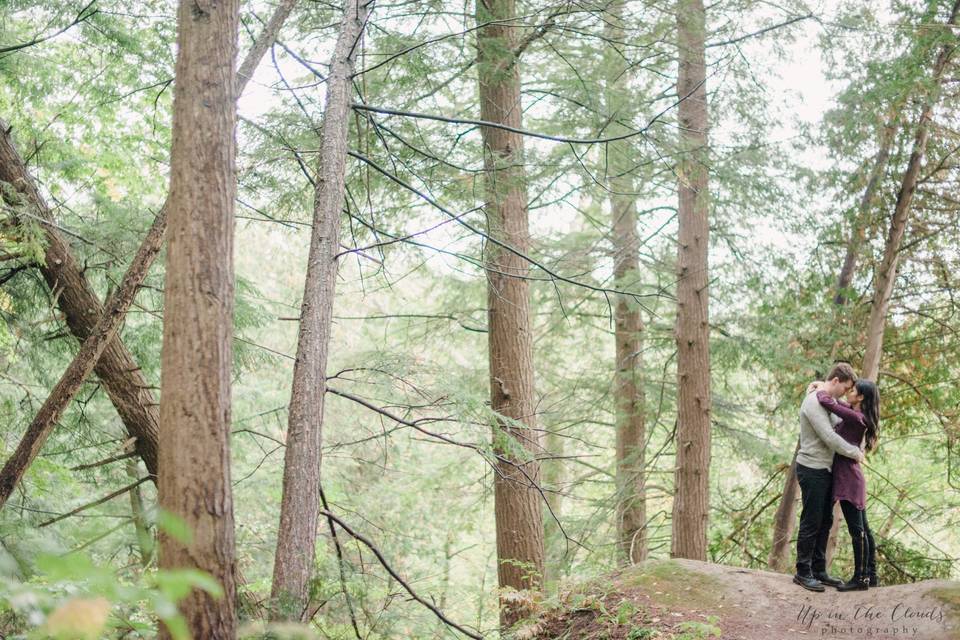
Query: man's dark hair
[843,372]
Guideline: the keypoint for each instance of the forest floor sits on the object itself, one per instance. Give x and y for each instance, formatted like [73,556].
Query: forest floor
[690,600]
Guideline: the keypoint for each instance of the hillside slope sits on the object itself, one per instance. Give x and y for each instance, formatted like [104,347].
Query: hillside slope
[690,600]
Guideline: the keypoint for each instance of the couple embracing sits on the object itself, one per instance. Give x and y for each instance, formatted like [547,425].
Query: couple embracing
[834,436]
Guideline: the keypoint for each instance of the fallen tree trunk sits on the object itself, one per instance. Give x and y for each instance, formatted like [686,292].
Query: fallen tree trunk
[117,369]
[91,350]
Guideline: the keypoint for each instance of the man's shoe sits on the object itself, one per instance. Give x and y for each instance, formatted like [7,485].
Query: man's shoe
[827,579]
[855,584]
[808,582]
[874,582]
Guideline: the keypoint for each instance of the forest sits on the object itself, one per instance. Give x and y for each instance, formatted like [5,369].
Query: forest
[499,319]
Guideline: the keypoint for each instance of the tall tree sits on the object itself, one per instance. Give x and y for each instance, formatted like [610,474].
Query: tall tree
[519,520]
[194,470]
[886,273]
[692,478]
[628,380]
[784,520]
[297,535]
[117,370]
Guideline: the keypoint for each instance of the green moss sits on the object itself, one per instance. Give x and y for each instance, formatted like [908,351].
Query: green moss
[671,583]
[949,596]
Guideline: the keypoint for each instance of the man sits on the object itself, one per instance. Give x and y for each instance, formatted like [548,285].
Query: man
[818,443]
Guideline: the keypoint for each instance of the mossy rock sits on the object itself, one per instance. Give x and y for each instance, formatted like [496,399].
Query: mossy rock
[672,584]
[950,596]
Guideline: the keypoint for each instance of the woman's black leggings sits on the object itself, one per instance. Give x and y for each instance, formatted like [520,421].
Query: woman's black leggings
[864,550]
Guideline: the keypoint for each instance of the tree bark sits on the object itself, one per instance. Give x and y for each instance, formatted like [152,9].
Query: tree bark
[834,534]
[692,478]
[784,520]
[83,364]
[120,374]
[629,399]
[297,535]
[858,233]
[519,520]
[263,43]
[145,543]
[197,356]
[122,378]
[887,271]
[552,474]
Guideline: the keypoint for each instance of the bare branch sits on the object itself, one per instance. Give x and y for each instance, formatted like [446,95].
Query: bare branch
[383,561]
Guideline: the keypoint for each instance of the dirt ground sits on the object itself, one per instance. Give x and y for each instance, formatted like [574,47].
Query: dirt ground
[690,600]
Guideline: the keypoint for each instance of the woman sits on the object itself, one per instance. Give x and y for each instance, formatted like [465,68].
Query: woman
[860,421]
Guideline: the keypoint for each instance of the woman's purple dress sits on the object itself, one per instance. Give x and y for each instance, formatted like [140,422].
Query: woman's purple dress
[848,481]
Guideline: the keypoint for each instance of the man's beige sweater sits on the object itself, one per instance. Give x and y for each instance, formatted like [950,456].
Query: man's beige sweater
[818,440]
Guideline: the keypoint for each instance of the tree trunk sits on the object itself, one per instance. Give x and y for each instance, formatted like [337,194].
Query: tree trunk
[629,400]
[194,479]
[263,43]
[117,370]
[145,543]
[692,479]
[858,233]
[784,520]
[834,534]
[297,535]
[517,508]
[552,472]
[887,526]
[120,374]
[82,365]
[887,271]
[441,627]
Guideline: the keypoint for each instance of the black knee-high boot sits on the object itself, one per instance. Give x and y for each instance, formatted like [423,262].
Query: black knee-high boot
[860,580]
[871,562]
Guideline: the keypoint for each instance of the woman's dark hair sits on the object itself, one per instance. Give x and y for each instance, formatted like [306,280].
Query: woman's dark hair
[870,406]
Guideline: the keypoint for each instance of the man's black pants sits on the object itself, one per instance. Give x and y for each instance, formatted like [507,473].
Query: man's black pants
[816,491]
